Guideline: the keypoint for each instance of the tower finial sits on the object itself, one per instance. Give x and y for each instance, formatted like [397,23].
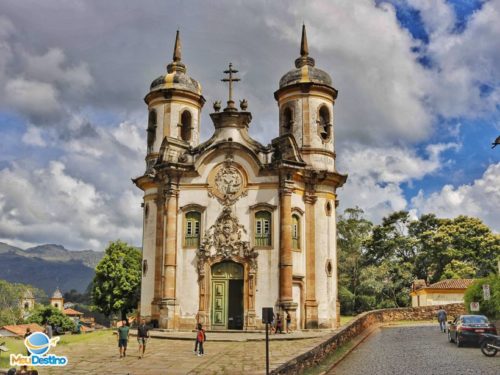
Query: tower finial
[304,49]
[176,65]
[177,47]
[304,58]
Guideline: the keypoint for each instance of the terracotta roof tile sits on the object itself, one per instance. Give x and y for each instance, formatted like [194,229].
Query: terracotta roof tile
[451,284]
[20,329]
[70,311]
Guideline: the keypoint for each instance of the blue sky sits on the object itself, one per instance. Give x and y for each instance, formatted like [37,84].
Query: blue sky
[418,105]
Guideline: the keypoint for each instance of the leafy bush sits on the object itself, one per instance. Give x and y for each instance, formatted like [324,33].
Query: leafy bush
[474,293]
[51,315]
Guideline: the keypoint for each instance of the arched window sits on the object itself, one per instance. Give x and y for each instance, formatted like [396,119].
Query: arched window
[192,230]
[186,126]
[263,228]
[26,305]
[324,124]
[295,232]
[151,128]
[287,120]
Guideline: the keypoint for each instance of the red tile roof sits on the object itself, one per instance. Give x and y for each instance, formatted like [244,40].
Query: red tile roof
[71,312]
[451,284]
[20,329]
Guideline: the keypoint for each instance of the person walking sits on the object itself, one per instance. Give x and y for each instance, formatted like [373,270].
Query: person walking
[200,339]
[26,334]
[48,330]
[123,332]
[288,322]
[142,337]
[279,324]
[441,316]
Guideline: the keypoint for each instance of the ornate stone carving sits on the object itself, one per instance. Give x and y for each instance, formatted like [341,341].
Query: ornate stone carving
[227,182]
[224,239]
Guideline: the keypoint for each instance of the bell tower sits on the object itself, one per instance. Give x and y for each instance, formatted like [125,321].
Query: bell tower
[174,106]
[305,100]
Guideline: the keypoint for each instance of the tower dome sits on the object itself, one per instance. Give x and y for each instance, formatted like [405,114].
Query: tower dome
[176,76]
[305,71]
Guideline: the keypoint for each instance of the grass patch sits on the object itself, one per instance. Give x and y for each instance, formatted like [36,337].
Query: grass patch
[344,319]
[330,359]
[15,346]
[83,337]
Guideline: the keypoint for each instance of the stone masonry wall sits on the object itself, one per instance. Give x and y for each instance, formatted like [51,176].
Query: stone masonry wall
[357,326]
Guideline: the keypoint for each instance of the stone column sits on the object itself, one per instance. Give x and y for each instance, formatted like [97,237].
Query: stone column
[155,308]
[170,259]
[285,265]
[311,305]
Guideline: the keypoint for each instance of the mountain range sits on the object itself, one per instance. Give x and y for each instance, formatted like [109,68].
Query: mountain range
[48,266]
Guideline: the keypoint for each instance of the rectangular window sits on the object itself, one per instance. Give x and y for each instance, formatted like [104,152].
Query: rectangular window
[192,229]
[263,229]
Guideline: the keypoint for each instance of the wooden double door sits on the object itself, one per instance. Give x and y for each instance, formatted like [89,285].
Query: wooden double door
[227,296]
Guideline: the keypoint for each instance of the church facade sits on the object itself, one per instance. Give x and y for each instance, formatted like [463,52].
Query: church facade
[231,225]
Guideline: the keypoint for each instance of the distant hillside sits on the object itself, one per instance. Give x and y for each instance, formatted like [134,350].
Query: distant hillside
[48,266]
[59,254]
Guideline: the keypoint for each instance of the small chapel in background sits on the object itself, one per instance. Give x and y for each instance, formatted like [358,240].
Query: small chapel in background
[57,300]
[232,225]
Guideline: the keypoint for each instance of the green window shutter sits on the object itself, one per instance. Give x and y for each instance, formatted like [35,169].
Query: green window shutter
[295,232]
[192,231]
[263,228]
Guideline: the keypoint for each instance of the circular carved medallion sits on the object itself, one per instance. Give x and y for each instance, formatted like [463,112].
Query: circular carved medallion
[227,182]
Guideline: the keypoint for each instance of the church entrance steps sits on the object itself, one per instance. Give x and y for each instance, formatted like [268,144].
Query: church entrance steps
[236,335]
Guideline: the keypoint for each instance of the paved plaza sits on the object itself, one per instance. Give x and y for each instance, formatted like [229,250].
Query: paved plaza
[173,354]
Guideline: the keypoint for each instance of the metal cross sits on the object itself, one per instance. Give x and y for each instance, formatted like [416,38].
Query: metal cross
[231,79]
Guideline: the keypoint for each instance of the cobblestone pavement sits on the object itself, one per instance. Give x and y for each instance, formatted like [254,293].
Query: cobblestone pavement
[415,350]
[177,357]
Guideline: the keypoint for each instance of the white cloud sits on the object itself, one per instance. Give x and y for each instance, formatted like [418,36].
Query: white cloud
[38,99]
[376,175]
[51,205]
[464,63]
[51,67]
[481,199]
[381,84]
[33,136]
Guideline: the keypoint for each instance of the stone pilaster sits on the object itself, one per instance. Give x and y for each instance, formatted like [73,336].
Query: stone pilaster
[311,305]
[170,259]
[285,265]
[160,226]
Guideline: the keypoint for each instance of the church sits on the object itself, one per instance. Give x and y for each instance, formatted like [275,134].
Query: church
[232,225]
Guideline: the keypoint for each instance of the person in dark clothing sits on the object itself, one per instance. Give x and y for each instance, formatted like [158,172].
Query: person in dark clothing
[288,322]
[442,316]
[28,332]
[200,339]
[142,337]
[279,324]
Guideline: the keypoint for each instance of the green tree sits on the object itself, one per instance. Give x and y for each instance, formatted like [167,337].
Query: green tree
[353,231]
[10,302]
[458,269]
[474,293]
[466,240]
[117,280]
[51,315]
